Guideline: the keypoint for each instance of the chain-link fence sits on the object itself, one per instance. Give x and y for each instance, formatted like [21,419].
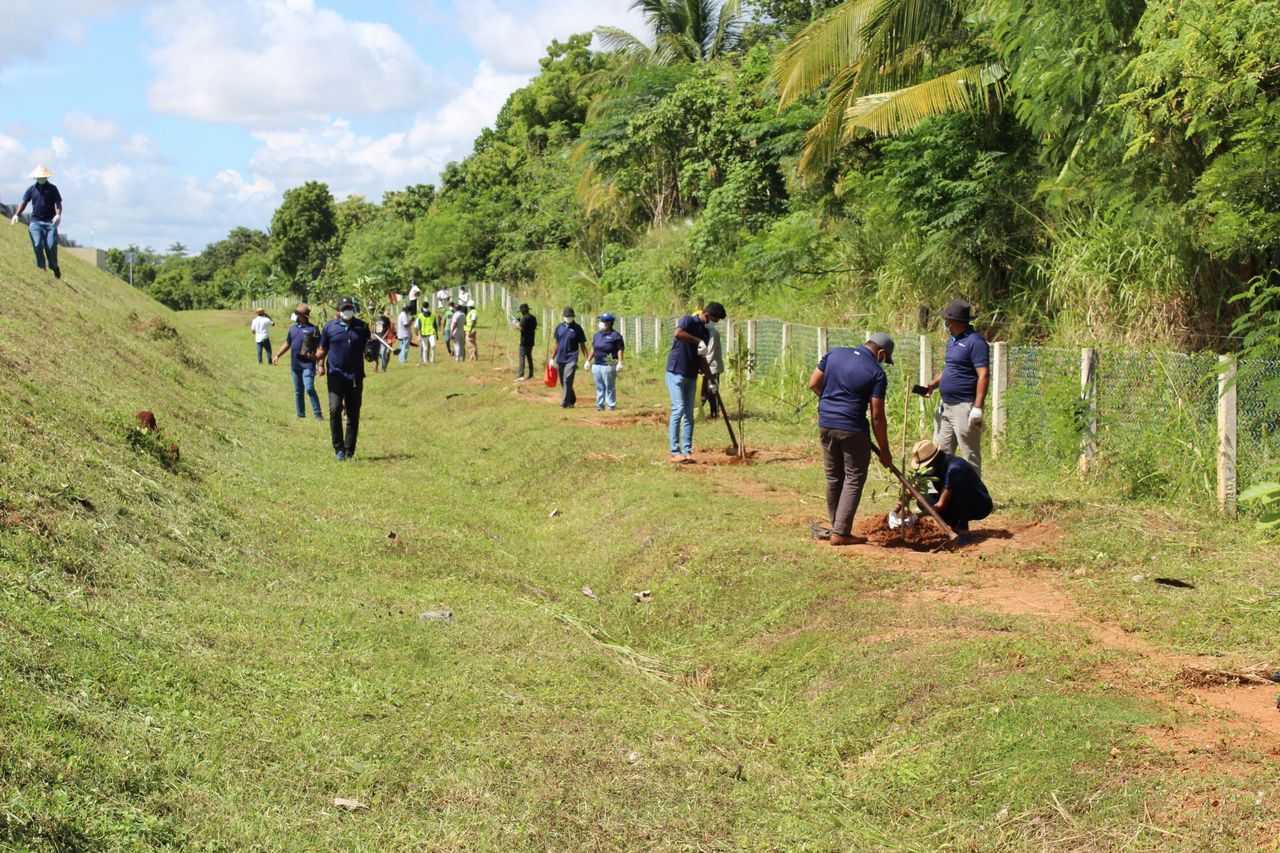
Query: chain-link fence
[1151,420]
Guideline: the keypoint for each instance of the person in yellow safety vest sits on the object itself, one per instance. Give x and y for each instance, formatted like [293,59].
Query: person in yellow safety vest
[473,349]
[426,335]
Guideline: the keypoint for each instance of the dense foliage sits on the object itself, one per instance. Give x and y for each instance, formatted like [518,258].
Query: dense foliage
[1102,167]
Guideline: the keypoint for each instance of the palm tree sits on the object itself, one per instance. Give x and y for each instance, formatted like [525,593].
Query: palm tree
[682,30]
[871,56]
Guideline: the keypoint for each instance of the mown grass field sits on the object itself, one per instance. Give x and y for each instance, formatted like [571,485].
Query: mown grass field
[205,658]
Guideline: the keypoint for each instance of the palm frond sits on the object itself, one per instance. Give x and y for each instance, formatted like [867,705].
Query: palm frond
[823,140]
[728,29]
[902,110]
[825,48]
[623,43]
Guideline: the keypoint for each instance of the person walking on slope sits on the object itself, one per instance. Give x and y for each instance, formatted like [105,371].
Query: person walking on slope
[714,355]
[847,381]
[261,327]
[301,342]
[957,423]
[570,340]
[426,335]
[956,489]
[404,332]
[473,318]
[606,362]
[46,215]
[683,366]
[340,358]
[528,325]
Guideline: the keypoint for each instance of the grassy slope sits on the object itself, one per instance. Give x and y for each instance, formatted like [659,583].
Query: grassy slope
[208,657]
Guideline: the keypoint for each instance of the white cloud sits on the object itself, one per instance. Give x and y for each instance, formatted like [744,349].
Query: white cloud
[269,63]
[514,35]
[30,29]
[90,128]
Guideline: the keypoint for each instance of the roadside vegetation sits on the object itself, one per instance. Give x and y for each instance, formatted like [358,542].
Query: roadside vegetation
[1099,171]
[202,650]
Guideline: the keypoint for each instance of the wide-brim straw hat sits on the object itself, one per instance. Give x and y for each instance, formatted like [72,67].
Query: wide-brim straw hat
[41,171]
[923,454]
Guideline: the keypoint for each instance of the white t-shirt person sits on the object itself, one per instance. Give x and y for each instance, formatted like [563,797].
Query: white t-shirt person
[261,326]
[415,292]
[442,297]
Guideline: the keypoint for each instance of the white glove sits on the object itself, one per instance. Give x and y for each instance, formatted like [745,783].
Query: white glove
[713,387]
[975,417]
[57,217]
[551,362]
[702,348]
[14,221]
[895,520]
[617,368]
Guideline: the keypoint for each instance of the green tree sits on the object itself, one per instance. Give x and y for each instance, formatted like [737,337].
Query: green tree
[681,31]
[410,203]
[303,231]
[885,66]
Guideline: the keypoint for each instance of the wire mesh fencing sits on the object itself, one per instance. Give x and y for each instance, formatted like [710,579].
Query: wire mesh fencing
[1151,420]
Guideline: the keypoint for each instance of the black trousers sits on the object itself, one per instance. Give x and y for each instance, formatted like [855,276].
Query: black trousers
[846,456]
[709,398]
[567,371]
[526,357]
[344,395]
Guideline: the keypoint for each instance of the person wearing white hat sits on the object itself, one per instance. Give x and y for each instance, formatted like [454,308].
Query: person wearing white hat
[46,214]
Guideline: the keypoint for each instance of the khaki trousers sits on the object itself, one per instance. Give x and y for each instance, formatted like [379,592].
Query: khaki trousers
[952,433]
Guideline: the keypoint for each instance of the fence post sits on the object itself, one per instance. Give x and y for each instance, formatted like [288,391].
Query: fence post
[657,333]
[999,384]
[786,344]
[822,342]
[639,341]
[926,360]
[1089,397]
[1227,483]
[751,349]
[726,342]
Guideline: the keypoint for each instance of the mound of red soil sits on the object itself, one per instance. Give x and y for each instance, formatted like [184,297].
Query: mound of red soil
[925,536]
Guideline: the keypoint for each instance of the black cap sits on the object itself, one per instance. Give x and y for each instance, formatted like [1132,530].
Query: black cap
[715,311]
[568,312]
[524,306]
[958,310]
[346,302]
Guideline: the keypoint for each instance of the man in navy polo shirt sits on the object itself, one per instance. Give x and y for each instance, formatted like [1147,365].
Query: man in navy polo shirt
[848,381]
[684,363]
[46,213]
[956,490]
[571,341]
[957,423]
[340,358]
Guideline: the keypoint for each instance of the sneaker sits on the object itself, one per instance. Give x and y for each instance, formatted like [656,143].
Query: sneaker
[340,456]
[520,378]
[57,272]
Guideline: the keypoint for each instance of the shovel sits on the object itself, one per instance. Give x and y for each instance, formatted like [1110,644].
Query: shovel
[736,449]
[952,536]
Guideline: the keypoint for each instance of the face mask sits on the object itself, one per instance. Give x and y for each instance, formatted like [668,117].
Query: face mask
[600,326]
[42,180]
[347,314]
[568,321]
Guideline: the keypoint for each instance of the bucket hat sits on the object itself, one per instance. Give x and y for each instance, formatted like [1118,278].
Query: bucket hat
[923,454]
[41,171]
[958,310]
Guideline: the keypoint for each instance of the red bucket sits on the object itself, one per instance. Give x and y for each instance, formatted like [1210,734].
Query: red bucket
[553,377]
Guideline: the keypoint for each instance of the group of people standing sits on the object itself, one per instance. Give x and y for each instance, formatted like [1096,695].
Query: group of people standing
[850,381]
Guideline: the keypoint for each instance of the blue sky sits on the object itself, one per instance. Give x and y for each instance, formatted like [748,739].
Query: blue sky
[177,120]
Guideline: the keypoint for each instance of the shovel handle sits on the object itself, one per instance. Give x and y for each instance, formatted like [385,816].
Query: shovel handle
[915,493]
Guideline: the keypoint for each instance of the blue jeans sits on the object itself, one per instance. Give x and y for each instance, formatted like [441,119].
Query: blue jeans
[606,386]
[44,239]
[404,350]
[264,345]
[304,381]
[384,356]
[682,390]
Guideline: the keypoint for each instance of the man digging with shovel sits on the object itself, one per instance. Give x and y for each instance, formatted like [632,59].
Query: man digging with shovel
[847,381]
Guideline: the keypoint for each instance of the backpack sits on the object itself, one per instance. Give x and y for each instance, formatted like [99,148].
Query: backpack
[371,348]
